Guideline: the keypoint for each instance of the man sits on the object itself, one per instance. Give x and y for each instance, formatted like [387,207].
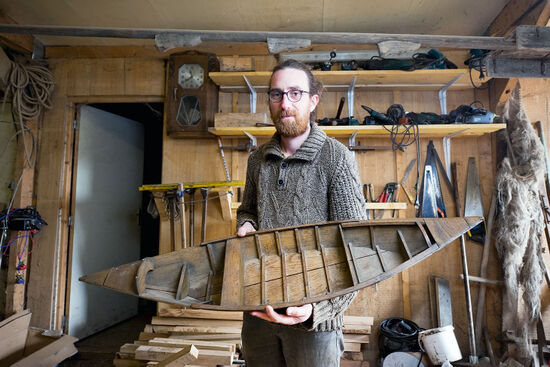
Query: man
[300,176]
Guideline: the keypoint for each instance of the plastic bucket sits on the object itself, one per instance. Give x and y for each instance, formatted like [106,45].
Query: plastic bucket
[440,344]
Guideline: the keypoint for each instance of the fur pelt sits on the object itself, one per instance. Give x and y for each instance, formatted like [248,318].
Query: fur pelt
[520,222]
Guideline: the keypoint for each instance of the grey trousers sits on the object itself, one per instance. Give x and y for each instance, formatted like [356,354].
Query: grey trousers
[266,344]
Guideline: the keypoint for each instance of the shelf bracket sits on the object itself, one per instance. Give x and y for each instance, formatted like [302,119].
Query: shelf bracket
[443,94]
[447,150]
[253,95]
[350,97]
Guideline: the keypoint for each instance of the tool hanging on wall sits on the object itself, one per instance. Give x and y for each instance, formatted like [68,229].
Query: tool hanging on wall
[354,146]
[431,198]
[473,204]
[388,195]
[404,180]
[170,204]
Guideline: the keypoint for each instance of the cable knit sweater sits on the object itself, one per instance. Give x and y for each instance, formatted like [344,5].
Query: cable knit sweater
[318,183]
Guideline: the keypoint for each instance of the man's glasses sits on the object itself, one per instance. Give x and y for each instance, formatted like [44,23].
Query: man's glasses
[293,95]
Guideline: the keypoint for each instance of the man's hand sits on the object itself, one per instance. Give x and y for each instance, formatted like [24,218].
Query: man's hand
[247,227]
[294,315]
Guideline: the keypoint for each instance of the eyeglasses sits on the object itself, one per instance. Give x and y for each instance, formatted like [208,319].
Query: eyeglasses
[293,95]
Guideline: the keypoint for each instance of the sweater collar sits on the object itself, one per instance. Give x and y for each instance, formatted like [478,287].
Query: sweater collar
[307,151]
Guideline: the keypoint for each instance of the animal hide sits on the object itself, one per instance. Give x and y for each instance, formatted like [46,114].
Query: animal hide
[520,222]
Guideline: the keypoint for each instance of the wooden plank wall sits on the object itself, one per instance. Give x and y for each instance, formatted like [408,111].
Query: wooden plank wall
[97,79]
[385,300]
[77,81]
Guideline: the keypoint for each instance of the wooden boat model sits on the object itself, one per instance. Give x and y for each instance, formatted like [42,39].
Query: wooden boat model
[285,266]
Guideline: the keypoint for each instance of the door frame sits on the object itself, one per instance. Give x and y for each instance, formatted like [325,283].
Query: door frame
[65,256]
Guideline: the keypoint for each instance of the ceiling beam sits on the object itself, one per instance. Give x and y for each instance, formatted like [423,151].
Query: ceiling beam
[436,41]
[519,12]
[19,42]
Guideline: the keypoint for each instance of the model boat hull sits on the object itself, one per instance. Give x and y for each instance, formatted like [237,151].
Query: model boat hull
[285,266]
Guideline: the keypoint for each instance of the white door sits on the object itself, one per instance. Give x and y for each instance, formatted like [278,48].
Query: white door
[105,223]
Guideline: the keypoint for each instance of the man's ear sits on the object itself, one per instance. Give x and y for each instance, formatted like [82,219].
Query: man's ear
[314,102]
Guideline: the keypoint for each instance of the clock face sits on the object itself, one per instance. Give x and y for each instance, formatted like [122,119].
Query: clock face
[190,76]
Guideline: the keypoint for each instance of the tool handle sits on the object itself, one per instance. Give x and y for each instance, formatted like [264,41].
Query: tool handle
[340,107]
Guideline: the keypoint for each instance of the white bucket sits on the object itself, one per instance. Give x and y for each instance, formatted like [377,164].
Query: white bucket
[440,344]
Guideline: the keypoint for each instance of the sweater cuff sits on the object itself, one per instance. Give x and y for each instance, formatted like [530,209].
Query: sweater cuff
[243,218]
[328,314]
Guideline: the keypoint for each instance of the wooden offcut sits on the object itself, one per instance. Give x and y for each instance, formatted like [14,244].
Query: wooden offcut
[232,119]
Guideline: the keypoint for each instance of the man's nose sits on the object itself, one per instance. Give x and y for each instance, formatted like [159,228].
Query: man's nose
[285,102]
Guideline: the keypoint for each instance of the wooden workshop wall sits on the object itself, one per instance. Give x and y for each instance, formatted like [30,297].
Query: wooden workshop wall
[77,81]
[404,295]
[117,80]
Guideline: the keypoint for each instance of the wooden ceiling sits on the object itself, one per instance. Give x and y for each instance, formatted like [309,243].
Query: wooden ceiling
[449,17]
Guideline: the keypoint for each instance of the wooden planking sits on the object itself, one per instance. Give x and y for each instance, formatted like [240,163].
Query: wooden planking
[233,276]
[15,293]
[85,80]
[13,334]
[392,79]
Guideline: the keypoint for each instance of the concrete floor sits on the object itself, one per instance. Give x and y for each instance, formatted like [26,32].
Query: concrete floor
[99,349]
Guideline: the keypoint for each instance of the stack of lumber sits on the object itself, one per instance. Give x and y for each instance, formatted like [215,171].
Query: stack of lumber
[21,346]
[356,333]
[215,334]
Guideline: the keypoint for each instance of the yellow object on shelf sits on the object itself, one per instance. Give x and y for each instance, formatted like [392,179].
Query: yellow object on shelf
[371,79]
[425,131]
[191,185]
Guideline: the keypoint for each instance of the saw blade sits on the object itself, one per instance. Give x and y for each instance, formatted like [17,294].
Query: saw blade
[473,204]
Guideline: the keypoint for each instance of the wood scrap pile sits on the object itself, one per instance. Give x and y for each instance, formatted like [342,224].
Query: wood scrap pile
[356,333]
[216,335]
[21,346]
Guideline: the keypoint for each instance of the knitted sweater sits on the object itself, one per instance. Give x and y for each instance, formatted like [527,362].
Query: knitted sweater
[318,183]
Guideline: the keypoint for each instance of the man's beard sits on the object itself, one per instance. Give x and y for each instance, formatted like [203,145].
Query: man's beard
[290,128]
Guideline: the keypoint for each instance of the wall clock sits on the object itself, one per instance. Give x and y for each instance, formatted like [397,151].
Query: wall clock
[191,96]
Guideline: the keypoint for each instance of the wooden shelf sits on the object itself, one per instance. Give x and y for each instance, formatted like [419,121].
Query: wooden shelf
[374,131]
[366,79]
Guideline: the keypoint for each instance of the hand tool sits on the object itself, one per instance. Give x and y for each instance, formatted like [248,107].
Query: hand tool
[327,121]
[379,116]
[431,198]
[204,192]
[471,331]
[191,192]
[251,145]
[405,177]
[473,205]
[357,147]
[387,195]
[181,207]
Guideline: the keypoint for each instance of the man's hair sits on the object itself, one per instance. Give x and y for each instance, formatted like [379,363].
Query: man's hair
[315,87]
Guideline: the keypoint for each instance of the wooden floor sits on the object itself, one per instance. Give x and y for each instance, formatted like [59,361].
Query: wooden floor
[99,349]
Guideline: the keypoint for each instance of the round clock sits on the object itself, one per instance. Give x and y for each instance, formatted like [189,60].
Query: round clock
[190,76]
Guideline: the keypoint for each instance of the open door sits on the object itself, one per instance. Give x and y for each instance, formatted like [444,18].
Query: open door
[105,232]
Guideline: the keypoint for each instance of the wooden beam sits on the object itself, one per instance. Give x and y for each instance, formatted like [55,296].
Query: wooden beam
[467,42]
[17,278]
[499,92]
[518,12]
[19,42]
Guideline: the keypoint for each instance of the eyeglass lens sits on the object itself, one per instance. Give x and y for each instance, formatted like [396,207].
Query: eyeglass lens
[294,95]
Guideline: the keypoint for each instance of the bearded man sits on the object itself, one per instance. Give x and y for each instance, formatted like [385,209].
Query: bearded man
[299,177]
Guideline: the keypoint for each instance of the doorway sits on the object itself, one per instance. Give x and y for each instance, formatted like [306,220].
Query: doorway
[118,147]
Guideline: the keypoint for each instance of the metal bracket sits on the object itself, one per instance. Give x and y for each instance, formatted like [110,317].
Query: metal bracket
[253,141]
[447,150]
[253,95]
[350,97]
[443,94]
